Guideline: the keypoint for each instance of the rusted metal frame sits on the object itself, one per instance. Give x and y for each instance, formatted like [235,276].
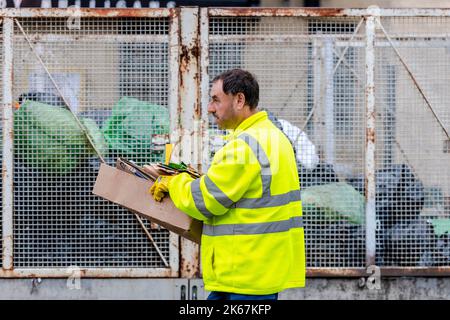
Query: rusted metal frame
[113,38]
[175,129]
[325,12]
[188,116]
[144,228]
[204,86]
[8,145]
[439,39]
[87,12]
[282,38]
[87,272]
[230,12]
[415,271]
[284,12]
[328,117]
[369,173]
[416,83]
[335,272]
[399,44]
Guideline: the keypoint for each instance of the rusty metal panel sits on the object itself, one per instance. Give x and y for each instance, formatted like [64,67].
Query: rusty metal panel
[82,272]
[313,86]
[325,12]
[190,118]
[413,119]
[1,133]
[86,13]
[315,69]
[58,222]
[7,144]
[369,172]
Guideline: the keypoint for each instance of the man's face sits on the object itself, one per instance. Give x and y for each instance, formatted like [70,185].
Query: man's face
[223,107]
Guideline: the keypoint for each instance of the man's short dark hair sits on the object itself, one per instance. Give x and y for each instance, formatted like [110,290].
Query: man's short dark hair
[238,80]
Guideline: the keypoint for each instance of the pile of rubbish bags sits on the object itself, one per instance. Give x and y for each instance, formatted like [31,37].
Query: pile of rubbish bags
[48,137]
[334,220]
[55,169]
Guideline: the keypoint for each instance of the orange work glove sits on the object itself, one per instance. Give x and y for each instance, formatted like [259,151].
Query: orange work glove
[160,187]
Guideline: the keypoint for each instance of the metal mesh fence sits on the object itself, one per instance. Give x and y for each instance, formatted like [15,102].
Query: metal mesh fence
[114,75]
[412,167]
[1,135]
[320,109]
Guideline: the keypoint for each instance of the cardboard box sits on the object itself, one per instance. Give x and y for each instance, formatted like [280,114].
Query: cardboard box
[131,192]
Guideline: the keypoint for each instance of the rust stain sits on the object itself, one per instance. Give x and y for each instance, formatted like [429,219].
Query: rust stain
[90,12]
[370,135]
[189,261]
[335,272]
[285,12]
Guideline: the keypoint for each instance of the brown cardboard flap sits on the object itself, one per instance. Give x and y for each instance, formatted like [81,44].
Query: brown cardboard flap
[132,192]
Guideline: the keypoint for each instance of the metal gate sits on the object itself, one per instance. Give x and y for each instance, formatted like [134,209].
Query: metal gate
[361,94]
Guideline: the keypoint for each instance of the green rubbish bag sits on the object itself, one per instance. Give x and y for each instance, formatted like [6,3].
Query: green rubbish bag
[49,139]
[334,202]
[131,126]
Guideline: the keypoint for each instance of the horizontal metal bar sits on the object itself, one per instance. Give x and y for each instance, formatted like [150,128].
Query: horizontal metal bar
[433,38]
[49,37]
[90,273]
[325,12]
[335,272]
[162,272]
[278,38]
[225,12]
[419,271]
[87,12]
[399,44]
[385,271]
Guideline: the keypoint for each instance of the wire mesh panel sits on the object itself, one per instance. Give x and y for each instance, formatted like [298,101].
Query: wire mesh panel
[1,135]
[318,102]
[113,73]
[412,167]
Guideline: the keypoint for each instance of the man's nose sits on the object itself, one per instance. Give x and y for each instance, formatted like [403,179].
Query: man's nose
[211,108]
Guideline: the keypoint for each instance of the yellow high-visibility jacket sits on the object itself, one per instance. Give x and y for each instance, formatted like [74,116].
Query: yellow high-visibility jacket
[249,202]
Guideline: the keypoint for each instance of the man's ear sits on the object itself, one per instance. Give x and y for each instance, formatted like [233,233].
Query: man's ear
[240,100]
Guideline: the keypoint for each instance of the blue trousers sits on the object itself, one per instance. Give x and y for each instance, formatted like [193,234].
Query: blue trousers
[216,295]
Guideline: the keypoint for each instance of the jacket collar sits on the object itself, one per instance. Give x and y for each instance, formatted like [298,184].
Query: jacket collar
[250,121]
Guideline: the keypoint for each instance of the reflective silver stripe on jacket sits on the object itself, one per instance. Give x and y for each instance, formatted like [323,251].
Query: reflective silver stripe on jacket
[266,201]
[253,228]
[218,194]
[269,201]
[258,151]
[198,198]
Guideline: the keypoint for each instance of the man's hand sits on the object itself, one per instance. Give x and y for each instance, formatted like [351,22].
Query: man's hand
[160,187]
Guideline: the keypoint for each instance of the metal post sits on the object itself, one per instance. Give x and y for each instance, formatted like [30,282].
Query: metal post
[204,86]
[190,116]
[8,143]
[329,101]
[370,139]
[175,131]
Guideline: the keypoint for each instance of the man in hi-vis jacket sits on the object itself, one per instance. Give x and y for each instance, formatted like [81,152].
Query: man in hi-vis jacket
[252,245]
